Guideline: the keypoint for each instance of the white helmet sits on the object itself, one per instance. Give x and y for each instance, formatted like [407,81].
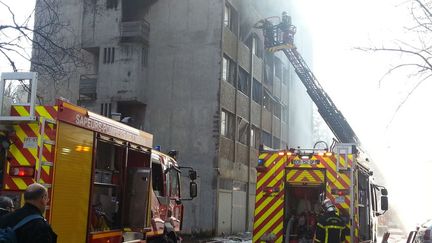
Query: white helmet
[328,206]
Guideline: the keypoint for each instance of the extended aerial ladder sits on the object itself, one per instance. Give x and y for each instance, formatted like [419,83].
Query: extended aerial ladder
[280,37]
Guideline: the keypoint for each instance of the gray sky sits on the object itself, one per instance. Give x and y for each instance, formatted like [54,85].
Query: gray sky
[351,78]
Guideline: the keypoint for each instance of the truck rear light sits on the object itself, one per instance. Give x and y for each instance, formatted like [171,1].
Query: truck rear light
[427,235]
[22,171]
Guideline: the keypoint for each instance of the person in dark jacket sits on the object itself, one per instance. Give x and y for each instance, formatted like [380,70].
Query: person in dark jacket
[6,205]
[331,228]
[37,230]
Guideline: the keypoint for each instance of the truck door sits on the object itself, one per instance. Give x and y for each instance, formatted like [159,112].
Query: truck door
[364,204]
[175,207]
[137,198]
[160,200]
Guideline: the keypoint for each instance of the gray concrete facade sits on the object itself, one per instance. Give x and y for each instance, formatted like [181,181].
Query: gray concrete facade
[175,82]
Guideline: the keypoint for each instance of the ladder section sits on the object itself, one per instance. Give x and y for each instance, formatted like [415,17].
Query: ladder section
[46,148]
[327,109]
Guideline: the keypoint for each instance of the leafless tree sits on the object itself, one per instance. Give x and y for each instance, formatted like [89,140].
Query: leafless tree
[50,54]
[416,51]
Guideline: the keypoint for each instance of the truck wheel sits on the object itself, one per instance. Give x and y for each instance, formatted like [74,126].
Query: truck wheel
[170,237]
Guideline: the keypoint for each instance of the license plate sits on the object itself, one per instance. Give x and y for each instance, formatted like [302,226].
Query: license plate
[306,162]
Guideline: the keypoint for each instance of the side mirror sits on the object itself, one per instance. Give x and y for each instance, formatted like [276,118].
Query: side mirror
[192,175]
[384,192]
[384,203]
[193,189]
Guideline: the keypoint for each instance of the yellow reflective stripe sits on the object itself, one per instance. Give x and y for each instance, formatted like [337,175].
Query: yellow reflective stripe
[326,236]
[334,227]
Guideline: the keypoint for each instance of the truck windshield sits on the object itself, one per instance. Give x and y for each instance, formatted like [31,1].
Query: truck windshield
[157,179]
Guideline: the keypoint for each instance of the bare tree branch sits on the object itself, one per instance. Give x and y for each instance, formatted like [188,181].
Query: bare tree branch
[52,52]
[405,99]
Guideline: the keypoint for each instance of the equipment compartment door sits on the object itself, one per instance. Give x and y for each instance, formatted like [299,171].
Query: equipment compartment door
[304,191]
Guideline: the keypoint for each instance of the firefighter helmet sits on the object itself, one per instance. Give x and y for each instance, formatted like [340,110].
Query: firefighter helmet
[328,206]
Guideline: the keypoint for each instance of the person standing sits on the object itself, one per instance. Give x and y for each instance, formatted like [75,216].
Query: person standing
[6,205]
[37,230]
[331,228]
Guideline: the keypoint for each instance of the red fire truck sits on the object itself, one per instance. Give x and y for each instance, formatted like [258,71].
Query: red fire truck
[105,182]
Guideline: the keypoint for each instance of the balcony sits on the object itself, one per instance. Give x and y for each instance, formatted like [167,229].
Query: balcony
[87,87]
[134,31]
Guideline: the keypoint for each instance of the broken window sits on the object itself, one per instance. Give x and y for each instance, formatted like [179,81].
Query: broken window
[255,137]
[227,124]
[228,70]
[253,44]
[277,109]
[285,114]
[268,72]
[243,128]
[276,142]
[257,92]
[266,138]
[243,82]
[278,68]
[230,18]
[286,75]
[267,100]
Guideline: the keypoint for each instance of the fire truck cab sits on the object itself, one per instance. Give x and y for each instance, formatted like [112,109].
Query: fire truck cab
[105,182]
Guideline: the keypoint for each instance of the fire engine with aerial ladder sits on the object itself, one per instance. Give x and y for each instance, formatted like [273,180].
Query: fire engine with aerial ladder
[291,183]
[105,182]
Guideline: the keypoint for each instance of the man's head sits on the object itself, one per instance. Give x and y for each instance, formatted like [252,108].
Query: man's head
[37,195]
[6,203]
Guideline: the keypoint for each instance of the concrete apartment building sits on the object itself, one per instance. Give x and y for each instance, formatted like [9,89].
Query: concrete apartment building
[195,74]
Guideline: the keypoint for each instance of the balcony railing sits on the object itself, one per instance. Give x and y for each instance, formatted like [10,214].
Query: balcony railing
[87,87]
[134,31]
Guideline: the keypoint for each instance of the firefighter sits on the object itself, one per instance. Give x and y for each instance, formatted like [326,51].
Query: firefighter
[287,29]
[6,205]
[330,226]
[269,34]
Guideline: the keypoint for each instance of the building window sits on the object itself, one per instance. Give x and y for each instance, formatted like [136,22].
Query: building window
[253,44]
[278,68]
[105,109]
[239,186]
[112,4]
[267,100]
[268,72]
[243,83]
[285,76]
[227,124]
[230,20]
[257,92]
[108,55]
[243,128]
[144,56]
[266,138]
[255,137]
[277,109]
[276,142]
[228,70]
[285,114]
[227,17]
